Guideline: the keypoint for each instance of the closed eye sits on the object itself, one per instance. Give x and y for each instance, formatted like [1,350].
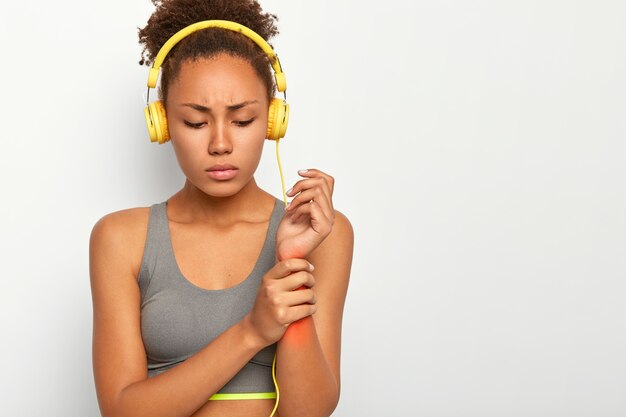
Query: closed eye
[245,122]
[194,125]
[238,123]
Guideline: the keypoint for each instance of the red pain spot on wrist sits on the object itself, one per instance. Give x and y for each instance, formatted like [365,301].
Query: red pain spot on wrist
[291,254]
[300,332]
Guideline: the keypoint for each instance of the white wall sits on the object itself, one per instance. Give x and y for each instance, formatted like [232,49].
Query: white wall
[478,149]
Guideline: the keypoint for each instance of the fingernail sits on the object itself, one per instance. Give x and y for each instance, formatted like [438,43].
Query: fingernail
[311,267]
[302,171]
[289,190]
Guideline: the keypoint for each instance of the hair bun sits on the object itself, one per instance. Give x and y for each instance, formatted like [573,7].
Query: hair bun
[171,16]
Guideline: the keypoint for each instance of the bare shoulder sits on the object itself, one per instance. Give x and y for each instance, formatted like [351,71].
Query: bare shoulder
[121,234]
[338,244]
[342,228]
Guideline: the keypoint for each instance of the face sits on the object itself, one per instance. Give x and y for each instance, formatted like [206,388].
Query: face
[217,113]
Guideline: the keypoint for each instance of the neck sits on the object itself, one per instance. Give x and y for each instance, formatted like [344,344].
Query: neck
[193,205]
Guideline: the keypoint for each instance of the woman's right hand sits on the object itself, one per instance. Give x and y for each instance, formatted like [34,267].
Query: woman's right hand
[277,305]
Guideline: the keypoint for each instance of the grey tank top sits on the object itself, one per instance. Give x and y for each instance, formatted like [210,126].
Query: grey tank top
[178,318]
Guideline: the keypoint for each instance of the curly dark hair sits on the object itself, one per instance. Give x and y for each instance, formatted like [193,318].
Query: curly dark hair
[172,15]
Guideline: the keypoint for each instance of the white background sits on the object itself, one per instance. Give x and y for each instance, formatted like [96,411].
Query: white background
[478,149]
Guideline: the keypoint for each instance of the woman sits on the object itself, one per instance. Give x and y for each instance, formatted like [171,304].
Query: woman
[195,296]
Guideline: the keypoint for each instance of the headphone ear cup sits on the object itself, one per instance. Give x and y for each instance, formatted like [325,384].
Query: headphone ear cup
[156,119]
[277,119]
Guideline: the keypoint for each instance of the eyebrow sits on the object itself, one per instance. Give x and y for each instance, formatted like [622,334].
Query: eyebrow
[230,108]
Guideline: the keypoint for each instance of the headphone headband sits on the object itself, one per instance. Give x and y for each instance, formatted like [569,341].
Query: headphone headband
[281,83]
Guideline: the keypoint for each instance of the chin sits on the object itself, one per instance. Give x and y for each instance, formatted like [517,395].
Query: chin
[219,188]
[220,191]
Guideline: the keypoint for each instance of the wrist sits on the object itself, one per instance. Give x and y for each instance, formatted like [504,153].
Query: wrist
[250,336]
[282,256]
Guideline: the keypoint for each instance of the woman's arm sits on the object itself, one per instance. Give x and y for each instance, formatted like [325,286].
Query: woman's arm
[308,355]
[119,358]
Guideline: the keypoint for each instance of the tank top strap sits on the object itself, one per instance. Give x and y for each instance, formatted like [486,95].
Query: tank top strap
[154,245]
[268,251]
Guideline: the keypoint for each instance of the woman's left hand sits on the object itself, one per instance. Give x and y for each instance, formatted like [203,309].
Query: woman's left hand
[309,217]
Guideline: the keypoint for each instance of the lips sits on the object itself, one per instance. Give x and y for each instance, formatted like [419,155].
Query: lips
[222,172]
[221,167]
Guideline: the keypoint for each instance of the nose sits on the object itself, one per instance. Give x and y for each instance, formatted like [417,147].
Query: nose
[219,143]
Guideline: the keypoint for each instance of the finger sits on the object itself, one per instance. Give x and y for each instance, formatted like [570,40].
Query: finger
[301,311]
[295,298]
[288,266]
[312,172]
[319,222]
[315,194]
[287,298]
[302,185]
[309,182]
[297,280]
[325,179]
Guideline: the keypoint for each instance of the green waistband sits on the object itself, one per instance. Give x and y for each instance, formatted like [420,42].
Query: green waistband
[243,396]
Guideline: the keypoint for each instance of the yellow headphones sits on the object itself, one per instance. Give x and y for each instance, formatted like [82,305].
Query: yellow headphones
[278,114]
